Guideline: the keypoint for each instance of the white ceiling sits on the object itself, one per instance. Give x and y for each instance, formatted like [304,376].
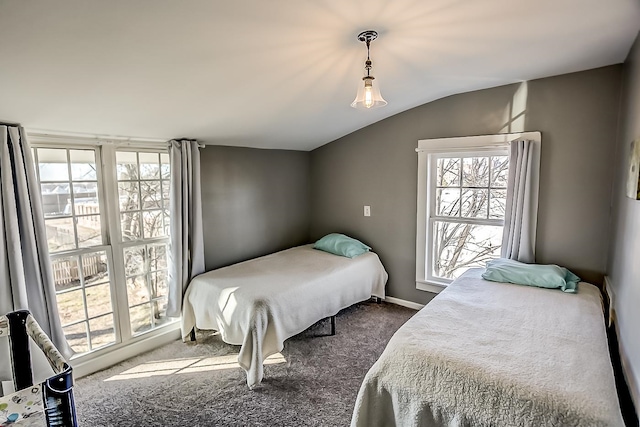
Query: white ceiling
[280,73]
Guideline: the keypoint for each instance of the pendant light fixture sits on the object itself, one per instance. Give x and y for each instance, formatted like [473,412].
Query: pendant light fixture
[368,93]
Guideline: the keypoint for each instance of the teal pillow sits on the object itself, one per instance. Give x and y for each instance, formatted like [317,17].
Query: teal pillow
[543,276]
[339,244]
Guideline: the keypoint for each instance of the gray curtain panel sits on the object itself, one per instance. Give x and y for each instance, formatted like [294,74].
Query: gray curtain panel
[521,210]
[187,234]
[26,279]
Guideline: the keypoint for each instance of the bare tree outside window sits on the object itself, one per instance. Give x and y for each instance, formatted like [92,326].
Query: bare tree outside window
[470,195]
[143,189]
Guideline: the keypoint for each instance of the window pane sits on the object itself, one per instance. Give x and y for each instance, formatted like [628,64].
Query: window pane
[157,257]
[98,300]
[159,312]
[152,224]
[85,198]
[71,306]
[126,165]
[95,268]
[137,290]
[499,171]
[475,172]
[140,318]
[89,231]
[130,223]
[166,186]
[448,173]
[159,284]
[55,199]
[497,203]
[165,166]
[52,164]
[128,196]
[60,234]
[149,165]
[65,273]
[167,218]
[448,202]
[101,331]
[77,337]
[134,262]
[460,246]
[151,194]
[474,203]
[83,165]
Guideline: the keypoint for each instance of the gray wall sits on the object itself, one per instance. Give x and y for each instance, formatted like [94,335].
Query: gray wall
[624,261]
[254,202]
[377,166]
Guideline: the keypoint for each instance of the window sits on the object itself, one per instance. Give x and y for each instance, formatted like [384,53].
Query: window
[80,259]
[466,214]
[462,190]
[143,201]
[107,221]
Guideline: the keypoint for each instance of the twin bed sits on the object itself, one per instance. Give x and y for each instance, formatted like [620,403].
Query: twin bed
[481,353]
[260,303]
[495,354]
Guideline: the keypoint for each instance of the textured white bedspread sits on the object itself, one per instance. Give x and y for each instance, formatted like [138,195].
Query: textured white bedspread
[260,303]
[495,354]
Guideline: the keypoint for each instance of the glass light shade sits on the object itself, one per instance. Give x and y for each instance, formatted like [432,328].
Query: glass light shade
[368,95]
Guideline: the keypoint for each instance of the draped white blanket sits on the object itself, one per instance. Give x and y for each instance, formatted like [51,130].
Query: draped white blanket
[260,303]
[495,354]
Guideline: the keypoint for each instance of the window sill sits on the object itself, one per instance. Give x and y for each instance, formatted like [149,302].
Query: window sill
[431,286]
[102,358]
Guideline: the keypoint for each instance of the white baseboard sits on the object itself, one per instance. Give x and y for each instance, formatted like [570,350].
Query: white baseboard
[85,367]
[404,303]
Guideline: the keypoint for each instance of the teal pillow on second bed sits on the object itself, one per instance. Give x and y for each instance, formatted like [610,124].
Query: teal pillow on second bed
[339,244]
[543,276]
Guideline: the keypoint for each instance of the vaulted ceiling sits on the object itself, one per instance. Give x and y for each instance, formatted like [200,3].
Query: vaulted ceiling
[280,73]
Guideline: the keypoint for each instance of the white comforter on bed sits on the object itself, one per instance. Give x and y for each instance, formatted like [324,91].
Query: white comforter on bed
[495,354]
[260,303]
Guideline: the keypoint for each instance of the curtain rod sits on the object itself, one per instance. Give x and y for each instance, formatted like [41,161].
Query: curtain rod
[454,149]
[58,134]
[105,138]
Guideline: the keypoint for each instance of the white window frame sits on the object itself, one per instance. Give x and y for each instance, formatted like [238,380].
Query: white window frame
[428,150]
[126,344]
[79,251]
[118,244]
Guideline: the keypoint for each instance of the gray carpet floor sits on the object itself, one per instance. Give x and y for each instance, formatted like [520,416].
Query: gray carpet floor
[186,384]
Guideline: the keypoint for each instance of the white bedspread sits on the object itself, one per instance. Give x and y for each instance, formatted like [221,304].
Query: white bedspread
[260,303]
[495,354]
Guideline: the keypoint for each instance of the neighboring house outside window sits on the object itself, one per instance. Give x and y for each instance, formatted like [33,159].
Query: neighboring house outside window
[462,190]
[106,214]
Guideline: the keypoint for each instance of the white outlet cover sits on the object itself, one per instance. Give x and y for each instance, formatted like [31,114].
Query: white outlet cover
[367,211]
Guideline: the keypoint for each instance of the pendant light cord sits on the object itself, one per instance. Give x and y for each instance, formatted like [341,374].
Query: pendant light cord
[367,64]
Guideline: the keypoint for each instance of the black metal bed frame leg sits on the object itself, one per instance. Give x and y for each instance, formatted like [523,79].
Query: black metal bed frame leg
[192,334]
[378,300]
[333,325]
